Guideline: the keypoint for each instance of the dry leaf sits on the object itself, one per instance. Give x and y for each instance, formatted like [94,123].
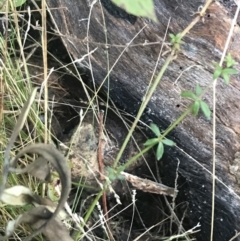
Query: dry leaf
[36,218]
[51,154]
[40,218]
[39,169]
[17,195]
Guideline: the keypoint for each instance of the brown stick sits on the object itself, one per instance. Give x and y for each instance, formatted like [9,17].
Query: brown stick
[101,170]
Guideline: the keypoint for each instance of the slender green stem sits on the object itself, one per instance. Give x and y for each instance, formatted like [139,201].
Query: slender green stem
[134,158]
[176,122]
[146,149]
[156,82]
[91,208]
[143,106]
[93,204]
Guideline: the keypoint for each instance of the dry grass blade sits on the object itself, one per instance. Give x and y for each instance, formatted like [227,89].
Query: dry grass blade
[40,169]
[16,130]
[1,96]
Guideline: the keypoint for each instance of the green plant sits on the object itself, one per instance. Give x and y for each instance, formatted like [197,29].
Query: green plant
[141,8]
[197,102]
[6,5]
[225,73]
[176,40]
[160,140]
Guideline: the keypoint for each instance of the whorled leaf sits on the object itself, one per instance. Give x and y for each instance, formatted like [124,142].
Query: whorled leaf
[160,151]
[150,142]
[168,142]
[198,90]
[195,107]
[189,94]
[229,60]
[205,109]
[217,71]
[155,129]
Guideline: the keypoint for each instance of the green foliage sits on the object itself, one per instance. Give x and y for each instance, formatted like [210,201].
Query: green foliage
[230,61]
[160,151]
[198,90]
[198,103]
[16,3]
[219,71]
[195,107]
[113,174]
[155,129]
[140,8]
[160,140]
[176,40]
[189,94]
[205,109]
[168,142]
[225,73]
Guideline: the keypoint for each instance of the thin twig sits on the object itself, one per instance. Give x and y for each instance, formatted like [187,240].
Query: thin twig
[214,119]
[101,170]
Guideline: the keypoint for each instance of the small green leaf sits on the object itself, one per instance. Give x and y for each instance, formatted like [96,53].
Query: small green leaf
[155,129]
[198,90]
[168,142]
[179,36]
[121,168]
[229,71]
[141,8]
[151,142]
[226,78]
[160,150]
[195,107]
[176,39]
[205,109]
[111,173]
[189,94]
[120,177]
[16,3]
[230,61]
[217,71]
